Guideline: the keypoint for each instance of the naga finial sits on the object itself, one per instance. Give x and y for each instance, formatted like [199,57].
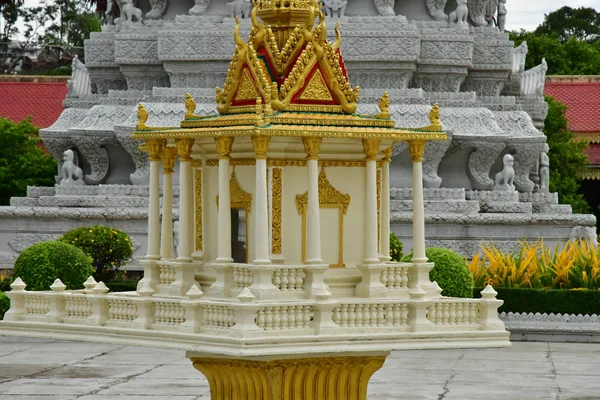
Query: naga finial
[434,116]
[259,112]
[384,106]
[142,117]
[190,106]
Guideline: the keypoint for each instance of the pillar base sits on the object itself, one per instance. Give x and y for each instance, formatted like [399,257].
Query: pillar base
[322,376]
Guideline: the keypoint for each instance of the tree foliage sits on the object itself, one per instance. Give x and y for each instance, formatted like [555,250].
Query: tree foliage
[22,162]
[567,157]
[565,23]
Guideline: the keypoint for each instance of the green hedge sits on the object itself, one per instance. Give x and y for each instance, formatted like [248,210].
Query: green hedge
[122,286]
[4,304]
[557,301]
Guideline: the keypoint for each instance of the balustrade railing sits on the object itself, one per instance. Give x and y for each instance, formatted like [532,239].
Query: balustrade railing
[121,310]
[36,304]
[285,317]
[78,307]
[454,312]
[396,277]
[167,313]
[289,279]
[218,317]
[370,315]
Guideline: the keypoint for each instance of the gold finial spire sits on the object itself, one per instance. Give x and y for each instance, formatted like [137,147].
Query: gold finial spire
[190,106]
[259,112]
[384,104]
[142,118]
[434,118]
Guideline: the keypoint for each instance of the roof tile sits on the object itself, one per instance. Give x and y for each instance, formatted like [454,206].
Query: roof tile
[41,100]
[583,102]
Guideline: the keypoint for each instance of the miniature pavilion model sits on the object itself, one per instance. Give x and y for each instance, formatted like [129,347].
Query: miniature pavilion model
[282,286]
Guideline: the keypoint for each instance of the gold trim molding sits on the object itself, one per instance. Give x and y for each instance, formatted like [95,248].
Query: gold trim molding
[239,198]
[292,162]
[277,191]
[199,232]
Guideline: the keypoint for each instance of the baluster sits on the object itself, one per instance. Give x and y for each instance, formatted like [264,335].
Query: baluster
[391,278]
[381,315]
[389,314]
[352,315]
[383,278]
[452,317]
[459,313]
[404,277]
[277,318]
[445,314]
[431,315]
[277,278]
[269,318]
[284,279]
[337,315]
[292,317]
[292,279]
[472,313]
[404,315]
[306,316]
[284,317]
[344,315]
[260,319]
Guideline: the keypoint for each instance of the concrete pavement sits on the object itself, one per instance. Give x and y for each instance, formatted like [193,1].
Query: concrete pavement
[33,369]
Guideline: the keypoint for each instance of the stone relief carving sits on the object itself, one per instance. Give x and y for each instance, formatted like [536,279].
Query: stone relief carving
[158,9]
[526,157]
[481,162]
[70,173]
[532,83]
[518,123]
[585,233]
[502,11]
[91,147]
[460,16]
[141,175]
[80,82]
[128,13]
[436,9]
[504,180]
[21,241]
[544,171]
[385,7]
[239,8]
[335,8]
[477,12]
[57,146]
[518,57]
[490,12]
[200,7]
[434,152]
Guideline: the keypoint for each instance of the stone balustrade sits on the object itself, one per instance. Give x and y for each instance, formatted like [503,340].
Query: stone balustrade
[396,276]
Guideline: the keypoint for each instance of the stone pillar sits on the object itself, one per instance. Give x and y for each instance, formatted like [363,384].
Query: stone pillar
[384,241]
[417,148]
[224,146]
[312,146]
[154,148]
[186,196]
[370,256]
[261,212]
[168,156]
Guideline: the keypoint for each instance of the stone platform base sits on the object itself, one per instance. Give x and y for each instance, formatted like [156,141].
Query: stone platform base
[323,376]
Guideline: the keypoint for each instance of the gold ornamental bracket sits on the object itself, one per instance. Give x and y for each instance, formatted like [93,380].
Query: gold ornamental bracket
[434,118]
[141,126]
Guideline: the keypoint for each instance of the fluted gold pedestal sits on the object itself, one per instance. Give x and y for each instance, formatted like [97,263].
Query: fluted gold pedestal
[318,377]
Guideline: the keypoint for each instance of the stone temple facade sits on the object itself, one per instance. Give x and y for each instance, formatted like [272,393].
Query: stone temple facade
[421,51]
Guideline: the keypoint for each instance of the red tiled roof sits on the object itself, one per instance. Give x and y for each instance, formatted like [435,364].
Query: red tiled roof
[583,100]
[41,100]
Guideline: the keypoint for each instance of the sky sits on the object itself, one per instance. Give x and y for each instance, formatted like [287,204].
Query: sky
[526,14]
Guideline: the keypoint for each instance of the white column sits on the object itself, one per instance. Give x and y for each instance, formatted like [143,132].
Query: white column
[261,216]
[313,217]
[385,206]
[224,145]
[168,156]
[154,147]
[417,148]
[186,210]
[370,255]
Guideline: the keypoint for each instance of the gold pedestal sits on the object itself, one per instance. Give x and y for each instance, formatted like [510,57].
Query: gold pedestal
[276,378]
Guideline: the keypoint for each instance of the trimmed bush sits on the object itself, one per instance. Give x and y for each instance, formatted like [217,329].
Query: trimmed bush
[110,248]
[5,285]
[395,248]
[122,286]
[39,265]
[450,271]
[4,304]
[557,301]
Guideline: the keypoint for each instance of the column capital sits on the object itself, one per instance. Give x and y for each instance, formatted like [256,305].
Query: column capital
[224,146]
[387,154]
[371,147]
[184,149]
[168,156]
[154,147]
[417,149]
[312,147]
[261,146]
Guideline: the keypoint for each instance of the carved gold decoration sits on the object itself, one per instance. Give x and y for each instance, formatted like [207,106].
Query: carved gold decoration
[261,146]
[154,148]
[371,147]
[417,149]
[329,197]
[277,192]
[312,146]
[387,154]
[199,225]
[384,104]
[316,89]
[378,180]
[434,118]
[142,118]
[190,107]
[197,164]
[331,378]
[239,197]
[168,156]
[589,174]
[246,90]
[184,149]
[224,146]
[259,121]
[289,162]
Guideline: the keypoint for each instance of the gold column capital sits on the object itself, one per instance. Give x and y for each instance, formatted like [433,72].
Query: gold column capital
[312,147]
[184,149]
[417,149]
[224,146]
[371,147]
[261,146]
[168,156]
[154,148]
[387,154]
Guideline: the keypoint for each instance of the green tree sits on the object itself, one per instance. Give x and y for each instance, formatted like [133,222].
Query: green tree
[565,23]
[567,157]
[22,162]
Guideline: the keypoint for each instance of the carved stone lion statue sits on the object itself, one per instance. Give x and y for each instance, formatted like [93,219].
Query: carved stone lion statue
[505,179]
[460,15]
[70,173]
[385,7]
[128,12]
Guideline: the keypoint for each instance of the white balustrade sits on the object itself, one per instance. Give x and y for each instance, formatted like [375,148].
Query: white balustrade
[167,274]
[78,307]
[242,277]
[289,279]
[454,313]
[218,317]
[279,318]
[121,310]
[370,315]
[37,304]
[168,314]
[395,277]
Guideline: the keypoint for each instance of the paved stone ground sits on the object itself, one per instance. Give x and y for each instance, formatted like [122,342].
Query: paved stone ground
[44,369]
